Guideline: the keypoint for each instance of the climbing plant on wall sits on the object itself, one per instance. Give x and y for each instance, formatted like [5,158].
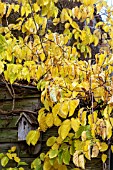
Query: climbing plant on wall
[73,70]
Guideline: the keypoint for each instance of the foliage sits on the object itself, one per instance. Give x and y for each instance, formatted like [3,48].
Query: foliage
[11,156]
[76,88]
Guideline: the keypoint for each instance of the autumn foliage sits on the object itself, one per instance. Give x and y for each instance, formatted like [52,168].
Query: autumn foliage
[76,86]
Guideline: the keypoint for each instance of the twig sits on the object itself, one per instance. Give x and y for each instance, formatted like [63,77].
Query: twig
[13,105]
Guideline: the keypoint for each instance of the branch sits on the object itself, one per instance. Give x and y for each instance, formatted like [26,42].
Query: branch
[16,112]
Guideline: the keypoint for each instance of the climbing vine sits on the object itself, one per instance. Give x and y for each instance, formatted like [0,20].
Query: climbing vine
[73,70]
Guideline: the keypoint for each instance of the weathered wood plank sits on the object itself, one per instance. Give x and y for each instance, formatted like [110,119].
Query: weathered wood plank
[25,104]
[50,132]
[8,135]
[94,164]
[20,92]
[8,121]
[22,149]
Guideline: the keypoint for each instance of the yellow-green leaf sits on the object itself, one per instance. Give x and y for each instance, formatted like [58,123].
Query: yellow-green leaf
[51,141]
[4,161]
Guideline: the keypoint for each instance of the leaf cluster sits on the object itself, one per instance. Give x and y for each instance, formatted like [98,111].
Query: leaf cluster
[76,86]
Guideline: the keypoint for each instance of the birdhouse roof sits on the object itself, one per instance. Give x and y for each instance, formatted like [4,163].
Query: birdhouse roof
[32,119]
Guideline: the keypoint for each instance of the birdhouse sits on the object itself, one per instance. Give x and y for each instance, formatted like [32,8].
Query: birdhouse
[25,123]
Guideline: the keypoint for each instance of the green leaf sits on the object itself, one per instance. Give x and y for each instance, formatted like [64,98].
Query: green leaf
[53,153]
[4,161]
[51,141]
[66,157]
[33,137]
[22,164]
[60,157]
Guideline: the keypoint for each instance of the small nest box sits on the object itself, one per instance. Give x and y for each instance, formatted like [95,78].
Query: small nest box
[25,123]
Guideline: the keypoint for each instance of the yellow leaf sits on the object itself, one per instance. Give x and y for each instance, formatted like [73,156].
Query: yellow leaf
[72,106]
[96,40]
[64,109]
[49,120]
[80,114]
[56,21]
[64,129]
[106,28]
[13,148]
[105,113]
[23,10]
[42,56]
[84,118]
[17,159]
[104,158]
[36,7]
[9,10]
[55,109]
[92,118]
[21,168]
[47,165]
[57,121]
[103,147]
[108,129]
[75,124]
[1,67]
[87,149]
[111,121]
[39,72]
[9,155]
[16,8]
[99,24]
[33,137]
[112,148]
